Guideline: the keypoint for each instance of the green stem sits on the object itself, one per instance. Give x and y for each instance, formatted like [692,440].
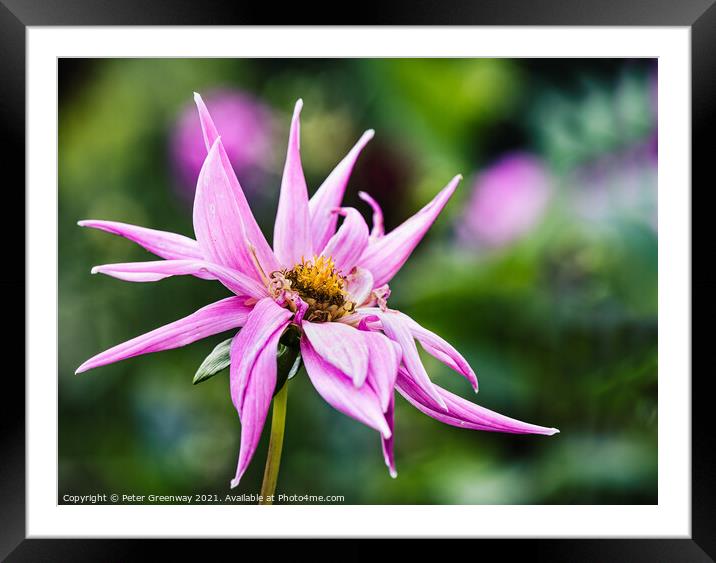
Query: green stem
[273,459]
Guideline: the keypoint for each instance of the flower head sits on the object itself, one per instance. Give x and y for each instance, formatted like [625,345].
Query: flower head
[328,282]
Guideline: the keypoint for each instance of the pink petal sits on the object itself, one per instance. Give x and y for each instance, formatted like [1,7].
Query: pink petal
[265,319]
[364,323]
[338,391]
[342,346]
[397,329]
[217,218]
[441,349]
[378,229]
[431,342]
[386,255]
[238,208]
[384,359]
[349,242]
[330,194]
[253,375]
[167,245]
[364,319]
[462,413]
[212,319]
[259,392]
[292,233]
[237,282]
[387,443]
[359,284]
[208,129]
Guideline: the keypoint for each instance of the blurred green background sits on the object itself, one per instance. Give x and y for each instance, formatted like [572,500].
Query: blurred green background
[542,271]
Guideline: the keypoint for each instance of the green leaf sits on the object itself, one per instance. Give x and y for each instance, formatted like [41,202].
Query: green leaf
[295,367]
[288,359]
[214,362]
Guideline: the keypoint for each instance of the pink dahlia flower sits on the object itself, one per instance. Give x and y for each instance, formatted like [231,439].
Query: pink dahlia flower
[330,284]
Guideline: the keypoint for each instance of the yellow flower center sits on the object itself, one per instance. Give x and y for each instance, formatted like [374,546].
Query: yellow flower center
[319,284]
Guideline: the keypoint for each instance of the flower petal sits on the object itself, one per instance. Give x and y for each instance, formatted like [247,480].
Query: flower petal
[384,359]
[462,413]
[253,375]
[166,245]
[342,346]
[330,194]
[259,392]
[251,229]
[292,232]
[442,350]
[397,329]
[386,255]
[387,443]
[217,218]
[265,319]
[349,242]
[338,391]
[237,282]
[431,342]
[212,319]
[208,129]
[378,229]
[359,284]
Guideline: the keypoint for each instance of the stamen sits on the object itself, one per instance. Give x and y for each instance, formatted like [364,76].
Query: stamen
[319,285]
[257,265]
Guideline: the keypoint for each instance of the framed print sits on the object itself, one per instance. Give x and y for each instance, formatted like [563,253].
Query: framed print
[311,247]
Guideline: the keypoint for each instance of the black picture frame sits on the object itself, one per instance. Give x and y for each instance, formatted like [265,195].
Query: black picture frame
[16,15]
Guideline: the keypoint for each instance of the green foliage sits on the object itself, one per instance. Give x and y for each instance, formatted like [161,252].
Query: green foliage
[218,360]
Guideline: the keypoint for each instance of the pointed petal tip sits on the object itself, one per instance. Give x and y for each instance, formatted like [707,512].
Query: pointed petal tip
[553,431]
[297,108]
[393,473]
[95,270]
[82,223]
[199,102]
[362,142]
[235,482]
[452,184]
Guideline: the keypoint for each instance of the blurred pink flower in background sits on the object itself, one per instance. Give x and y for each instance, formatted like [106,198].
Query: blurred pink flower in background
[507,201]
[247,127]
